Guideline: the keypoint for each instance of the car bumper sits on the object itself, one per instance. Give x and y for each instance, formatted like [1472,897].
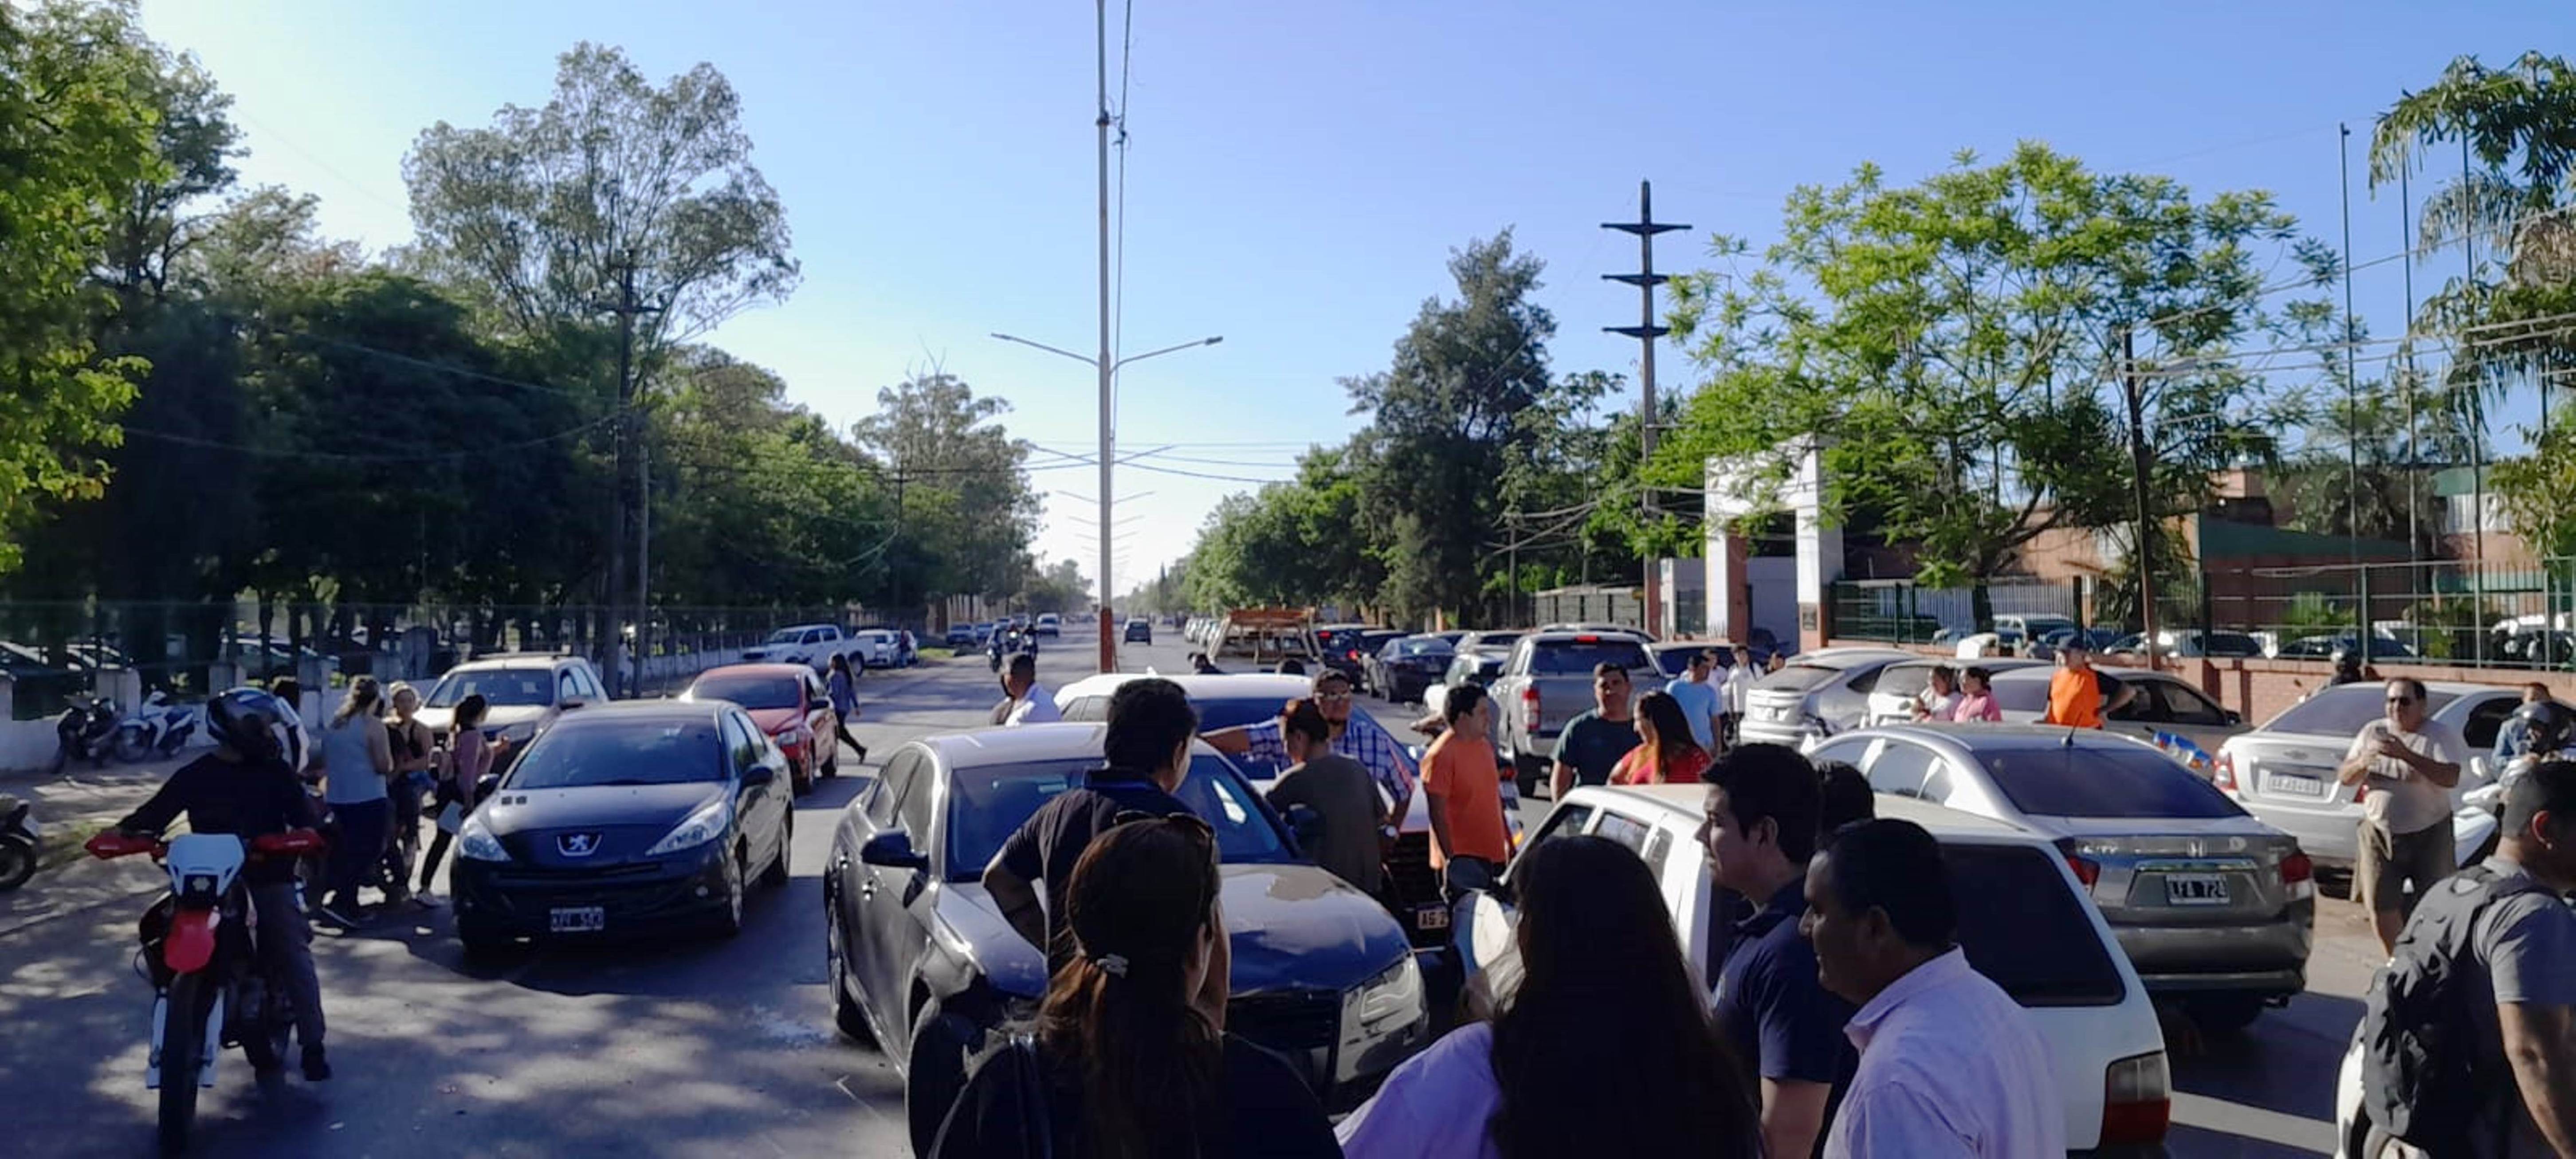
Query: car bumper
[2265,957]
[2329,835]
[1344,1065]
[516,901]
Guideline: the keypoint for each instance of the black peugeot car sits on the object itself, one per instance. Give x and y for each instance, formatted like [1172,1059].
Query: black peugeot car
[637,815]
[922,963]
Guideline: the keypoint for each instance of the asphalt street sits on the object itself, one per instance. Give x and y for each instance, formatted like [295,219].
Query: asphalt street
[685,1047]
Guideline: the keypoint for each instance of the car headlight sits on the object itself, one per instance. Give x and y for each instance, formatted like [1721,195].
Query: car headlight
[475,842]
[1390,1000]
[700,827]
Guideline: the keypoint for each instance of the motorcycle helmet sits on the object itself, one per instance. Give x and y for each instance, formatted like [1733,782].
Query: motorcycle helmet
[2347,663]
[258,725]
[2548,724]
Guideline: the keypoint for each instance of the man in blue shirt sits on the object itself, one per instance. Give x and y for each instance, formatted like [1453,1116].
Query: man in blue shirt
[1759,827]
[1701,704]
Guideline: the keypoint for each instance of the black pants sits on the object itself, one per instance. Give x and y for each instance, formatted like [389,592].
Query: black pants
[447,794]
[361,846]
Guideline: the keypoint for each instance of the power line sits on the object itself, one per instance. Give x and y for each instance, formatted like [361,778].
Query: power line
[178,439]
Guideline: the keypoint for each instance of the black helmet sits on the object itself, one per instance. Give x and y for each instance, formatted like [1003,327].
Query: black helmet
[2547,723]
[2347,662]
[257,724]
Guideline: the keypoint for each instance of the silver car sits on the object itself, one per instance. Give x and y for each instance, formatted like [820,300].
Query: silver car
[1900,687]
[1815,695]
[2284,772]
[2165,703]
[2212,905]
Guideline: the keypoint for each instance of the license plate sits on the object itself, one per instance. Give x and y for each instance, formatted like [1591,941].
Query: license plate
[1431,916]
[583,919]
[2195,889]
[2294,785]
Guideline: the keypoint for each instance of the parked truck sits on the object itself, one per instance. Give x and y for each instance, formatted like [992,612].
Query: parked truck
[1546,683]
[810,644]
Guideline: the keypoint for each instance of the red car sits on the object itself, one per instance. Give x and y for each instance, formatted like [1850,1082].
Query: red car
[788,702]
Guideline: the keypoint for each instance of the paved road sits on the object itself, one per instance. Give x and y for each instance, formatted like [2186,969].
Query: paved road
[683,1049]
[2261,1095]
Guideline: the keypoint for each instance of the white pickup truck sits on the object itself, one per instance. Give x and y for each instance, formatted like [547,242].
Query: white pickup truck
[1546,683]
[809,644]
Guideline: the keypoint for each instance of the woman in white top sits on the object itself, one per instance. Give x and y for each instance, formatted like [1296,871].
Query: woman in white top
[1940,697]
[356,757]
[1605,1048]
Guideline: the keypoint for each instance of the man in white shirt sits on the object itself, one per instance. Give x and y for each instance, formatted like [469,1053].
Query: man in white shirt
[2409,763]
[1949,1063]
[1030,702]
[1731,690]
[1701,703]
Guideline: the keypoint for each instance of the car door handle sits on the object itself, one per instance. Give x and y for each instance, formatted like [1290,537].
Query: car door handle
[868,887]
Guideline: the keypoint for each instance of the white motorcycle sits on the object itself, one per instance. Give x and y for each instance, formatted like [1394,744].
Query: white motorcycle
[156,729]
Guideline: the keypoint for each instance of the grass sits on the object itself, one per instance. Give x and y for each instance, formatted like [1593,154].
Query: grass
[935,653]
[61,843]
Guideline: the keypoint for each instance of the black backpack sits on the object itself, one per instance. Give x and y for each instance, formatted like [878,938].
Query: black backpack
[2422,1073]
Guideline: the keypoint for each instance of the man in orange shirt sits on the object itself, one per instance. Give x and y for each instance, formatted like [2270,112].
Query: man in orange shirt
[2075,692]
[1469,842]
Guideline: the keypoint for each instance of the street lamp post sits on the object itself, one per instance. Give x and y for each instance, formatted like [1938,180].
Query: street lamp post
[1108,369]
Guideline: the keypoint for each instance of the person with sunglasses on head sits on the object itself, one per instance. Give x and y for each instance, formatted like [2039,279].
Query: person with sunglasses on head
[1605,1047]
[1353,735]
[1128,1056]
[1146,747]
[2407,764]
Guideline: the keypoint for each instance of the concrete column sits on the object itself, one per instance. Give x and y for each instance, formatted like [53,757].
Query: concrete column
[1820,548]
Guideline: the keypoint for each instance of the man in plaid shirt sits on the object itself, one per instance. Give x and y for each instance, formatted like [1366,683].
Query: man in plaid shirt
[1356,737]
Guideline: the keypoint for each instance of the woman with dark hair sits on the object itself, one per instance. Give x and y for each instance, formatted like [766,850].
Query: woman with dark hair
[843,689]
[469,756]
[1665,753]
[1605,1048]
[1129,1059]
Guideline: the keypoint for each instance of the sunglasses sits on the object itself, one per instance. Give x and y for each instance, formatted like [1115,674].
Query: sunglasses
[2401,700]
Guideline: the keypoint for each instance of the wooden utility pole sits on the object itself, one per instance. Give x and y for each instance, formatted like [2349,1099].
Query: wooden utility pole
[1645,331]
[630,506]
[2133,391]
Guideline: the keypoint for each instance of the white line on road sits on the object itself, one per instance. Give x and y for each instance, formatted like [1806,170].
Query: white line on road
[2220,1115]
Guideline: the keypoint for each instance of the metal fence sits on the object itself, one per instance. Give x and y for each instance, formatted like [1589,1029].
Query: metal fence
[1901,612]
[55,652]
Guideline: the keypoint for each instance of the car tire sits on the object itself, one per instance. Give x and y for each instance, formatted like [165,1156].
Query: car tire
[776,874]
[728,920]
[934,1071]
[2223,1013]
[846,1013]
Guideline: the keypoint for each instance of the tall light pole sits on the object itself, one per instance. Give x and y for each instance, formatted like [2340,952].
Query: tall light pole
[1108,435]
[1108,368]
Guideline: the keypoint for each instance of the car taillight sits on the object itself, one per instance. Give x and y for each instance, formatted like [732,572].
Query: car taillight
[2137,1100]
[2299,875]
[2086,870]
[2223,771]
[2360,791]
[1529,708]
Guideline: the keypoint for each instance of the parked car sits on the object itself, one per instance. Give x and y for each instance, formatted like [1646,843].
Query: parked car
[2033,627]
[1139,631]
[1628,629]
[1900,685]
[2323,647]
[875,648]
[1545,684]
[812,645]
[2284,771]
[922,964]
[1401,670]
[2024,925]
[1673,660]
[2165,703]
[527,693]
[2192,643]
[1338,646]
[789,705]
[1816,695]
[638,816]
[1050,624]
[1480,641]
[959,636]
[2213,906]
[1481,667]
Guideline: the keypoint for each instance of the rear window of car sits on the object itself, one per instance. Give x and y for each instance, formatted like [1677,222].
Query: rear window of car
[751,691]
[1675,661]
[988,803]
[2031,936]
[1580,657]
[2103,781]
[2021,695]
[1798,677]
[2342,710]
[1426,647]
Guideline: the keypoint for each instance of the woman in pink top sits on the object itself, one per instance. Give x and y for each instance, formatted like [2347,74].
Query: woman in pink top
[469,756]
[1977,702]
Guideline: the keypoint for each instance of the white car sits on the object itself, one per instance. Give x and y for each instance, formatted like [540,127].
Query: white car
[525,692]
[812,645]
[2024,924]
[876,648]
[2284,771]
[1050,624]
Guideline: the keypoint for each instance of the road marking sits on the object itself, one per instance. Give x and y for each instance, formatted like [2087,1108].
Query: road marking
[2233,1118]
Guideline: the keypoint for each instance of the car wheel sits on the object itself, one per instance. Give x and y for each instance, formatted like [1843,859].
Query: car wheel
[846,1015]
[934,1071]
[729,920]
[480,942]
[2223,1013]
[776,874]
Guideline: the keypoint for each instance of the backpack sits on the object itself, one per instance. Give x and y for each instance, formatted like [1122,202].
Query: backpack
[2421,1072]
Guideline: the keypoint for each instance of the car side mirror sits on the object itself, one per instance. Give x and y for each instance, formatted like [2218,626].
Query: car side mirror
[1307,826]
[893,850]
[487,785]
[571,702]
[759,774]
[2233,717]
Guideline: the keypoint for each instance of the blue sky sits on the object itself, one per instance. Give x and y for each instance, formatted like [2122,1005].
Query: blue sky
[1300,172]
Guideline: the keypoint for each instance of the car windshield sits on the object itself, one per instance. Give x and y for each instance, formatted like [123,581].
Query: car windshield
[1578,657]
[499,687]
[987,803]
[2039,945]
[601,752]
[1431,647]
[2340,711]
[1904,679]
[751,691]
[2103,781]
[787,636]
[1675,661]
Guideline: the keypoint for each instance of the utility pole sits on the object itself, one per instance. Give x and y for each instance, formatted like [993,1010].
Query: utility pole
[631,507]
[1645,331]
[2133,391]
[2362,633]
[1107,367]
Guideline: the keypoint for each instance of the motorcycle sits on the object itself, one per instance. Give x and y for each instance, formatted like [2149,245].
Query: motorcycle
[994,651]
[156,729]
[85,731]
[199,955]
[17,843]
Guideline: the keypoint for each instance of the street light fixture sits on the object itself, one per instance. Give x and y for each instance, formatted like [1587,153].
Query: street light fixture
[1108,439]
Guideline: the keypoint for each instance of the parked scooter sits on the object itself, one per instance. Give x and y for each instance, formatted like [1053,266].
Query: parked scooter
[17,843]
[157,729]
[86,731]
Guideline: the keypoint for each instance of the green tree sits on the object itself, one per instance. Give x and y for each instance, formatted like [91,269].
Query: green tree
[968,509]
[1955,348]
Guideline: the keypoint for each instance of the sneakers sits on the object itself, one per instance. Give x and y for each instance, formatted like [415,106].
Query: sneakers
[316,1067]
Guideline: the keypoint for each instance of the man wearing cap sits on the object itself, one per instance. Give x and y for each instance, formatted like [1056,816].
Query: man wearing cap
[1357,737]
